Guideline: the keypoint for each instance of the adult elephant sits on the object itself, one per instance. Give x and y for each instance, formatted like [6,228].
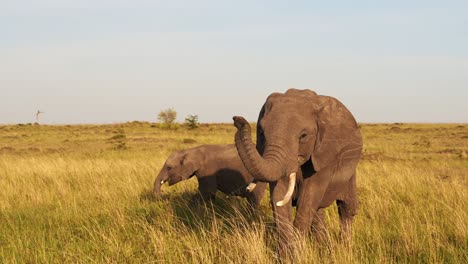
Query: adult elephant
[314,137]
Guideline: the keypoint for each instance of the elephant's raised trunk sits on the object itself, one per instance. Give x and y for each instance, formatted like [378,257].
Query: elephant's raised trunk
[271,168]
[268,169]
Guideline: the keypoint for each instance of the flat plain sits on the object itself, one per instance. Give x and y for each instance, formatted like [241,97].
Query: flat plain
[82,194]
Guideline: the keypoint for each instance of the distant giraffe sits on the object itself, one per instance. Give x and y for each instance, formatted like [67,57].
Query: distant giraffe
[37,115]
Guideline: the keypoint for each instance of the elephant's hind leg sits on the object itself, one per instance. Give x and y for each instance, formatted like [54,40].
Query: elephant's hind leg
[347,207]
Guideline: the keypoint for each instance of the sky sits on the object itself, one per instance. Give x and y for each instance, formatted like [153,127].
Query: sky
[109,61]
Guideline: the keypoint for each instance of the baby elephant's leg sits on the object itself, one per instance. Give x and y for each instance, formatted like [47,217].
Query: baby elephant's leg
[207,188]
[256,196]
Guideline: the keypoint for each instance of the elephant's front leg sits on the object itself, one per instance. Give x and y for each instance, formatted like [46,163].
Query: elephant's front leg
[319,226]
[312,191]
[283,216]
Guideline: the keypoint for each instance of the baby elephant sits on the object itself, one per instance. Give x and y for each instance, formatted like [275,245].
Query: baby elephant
[217,167]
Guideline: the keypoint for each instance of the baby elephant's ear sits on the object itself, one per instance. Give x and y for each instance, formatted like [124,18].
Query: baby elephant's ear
[187,164]
[337,132]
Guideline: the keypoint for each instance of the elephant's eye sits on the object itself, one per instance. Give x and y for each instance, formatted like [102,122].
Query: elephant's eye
[169,167]
[304,137]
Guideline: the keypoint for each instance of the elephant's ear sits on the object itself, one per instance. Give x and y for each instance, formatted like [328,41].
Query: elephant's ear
[266,108]
[337,132]
[260,137]
[188,165]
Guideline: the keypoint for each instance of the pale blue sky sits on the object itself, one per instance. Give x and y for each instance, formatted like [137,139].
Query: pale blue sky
[114,61]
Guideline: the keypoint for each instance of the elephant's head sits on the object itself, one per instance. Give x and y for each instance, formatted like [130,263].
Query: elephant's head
[293,128]
[180,165]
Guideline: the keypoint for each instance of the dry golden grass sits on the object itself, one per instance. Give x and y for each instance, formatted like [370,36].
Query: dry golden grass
[81,194]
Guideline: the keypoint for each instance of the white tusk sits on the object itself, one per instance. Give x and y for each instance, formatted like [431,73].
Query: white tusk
[162,182]
[251,187]
[289,193]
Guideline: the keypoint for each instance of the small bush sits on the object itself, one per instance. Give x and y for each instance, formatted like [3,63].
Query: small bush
[119,140]
[167,116]
[191,121]
[118,137]
[189,141]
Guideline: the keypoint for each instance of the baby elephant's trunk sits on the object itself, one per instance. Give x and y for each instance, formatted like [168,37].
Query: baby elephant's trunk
[160,180]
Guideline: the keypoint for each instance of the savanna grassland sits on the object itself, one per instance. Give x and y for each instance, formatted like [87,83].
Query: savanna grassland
[82,194]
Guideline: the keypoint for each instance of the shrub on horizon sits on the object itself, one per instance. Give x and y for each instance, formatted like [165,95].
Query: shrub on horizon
[191,121]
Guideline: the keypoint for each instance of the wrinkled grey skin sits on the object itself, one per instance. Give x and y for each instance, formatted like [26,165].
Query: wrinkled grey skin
[217,167]
[314,136]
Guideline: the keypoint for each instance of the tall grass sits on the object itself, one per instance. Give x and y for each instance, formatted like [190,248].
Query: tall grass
[70,194]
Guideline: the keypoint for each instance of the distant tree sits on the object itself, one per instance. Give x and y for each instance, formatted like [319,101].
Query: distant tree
[167,116]
[191,121]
